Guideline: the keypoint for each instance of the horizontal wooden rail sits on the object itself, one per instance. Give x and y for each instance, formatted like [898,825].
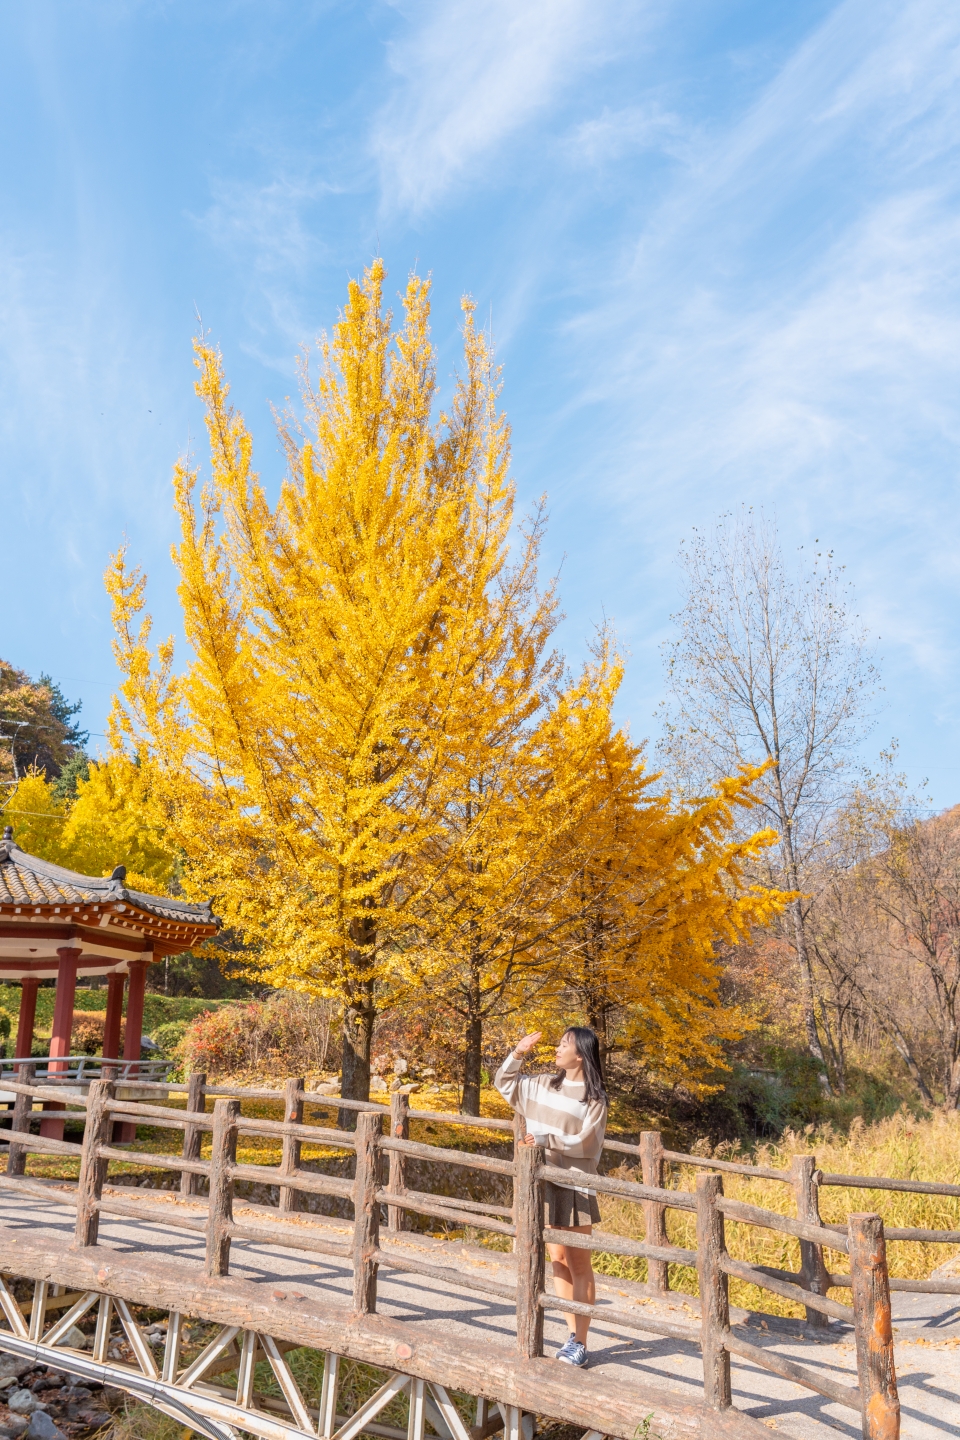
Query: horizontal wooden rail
[900,1232]
[947,1286]
[449,1157]
[319,1134]
[23,1186]
[480,1207]
[290,1237]
[40,1144]
[165,1117]
[412,1266]
[733,1167]
[882,1182]
[608,1185]
[307,1181]
[621,1147]
[787,1289]
[456,1117]
[608,1244]
[770,1220]
[44,1092]
[154,1162]
[789,1370]
[403,1201]
[159,1214]
[629,1319]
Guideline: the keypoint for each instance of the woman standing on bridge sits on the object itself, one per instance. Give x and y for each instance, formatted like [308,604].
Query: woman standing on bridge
[566,1113]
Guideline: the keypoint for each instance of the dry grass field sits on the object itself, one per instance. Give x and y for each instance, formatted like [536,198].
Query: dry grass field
[901,1146]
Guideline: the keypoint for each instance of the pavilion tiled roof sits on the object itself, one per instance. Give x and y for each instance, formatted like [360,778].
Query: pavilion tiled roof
[27,880]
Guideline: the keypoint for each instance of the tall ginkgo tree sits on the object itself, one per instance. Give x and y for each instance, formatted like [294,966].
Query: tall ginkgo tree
[344,642]
[660,885]
[501,895]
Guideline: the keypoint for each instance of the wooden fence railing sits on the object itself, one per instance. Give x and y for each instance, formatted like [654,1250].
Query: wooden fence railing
[379,1184]
[806,1180]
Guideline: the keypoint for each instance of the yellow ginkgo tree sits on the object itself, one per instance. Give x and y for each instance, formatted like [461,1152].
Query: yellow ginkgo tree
[343,642]
[372,758]
[660,886]
[112,821]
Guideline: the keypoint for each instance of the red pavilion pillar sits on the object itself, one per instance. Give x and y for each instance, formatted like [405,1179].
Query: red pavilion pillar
[28,1017]
[66,994]
[114,1016]
[137,972]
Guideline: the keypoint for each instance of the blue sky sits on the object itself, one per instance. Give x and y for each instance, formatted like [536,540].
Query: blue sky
[716,241]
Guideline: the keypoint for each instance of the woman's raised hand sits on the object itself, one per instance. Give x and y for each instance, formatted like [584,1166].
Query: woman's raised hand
[527,1043]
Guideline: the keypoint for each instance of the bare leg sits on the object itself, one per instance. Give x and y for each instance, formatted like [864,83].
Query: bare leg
[573,1279]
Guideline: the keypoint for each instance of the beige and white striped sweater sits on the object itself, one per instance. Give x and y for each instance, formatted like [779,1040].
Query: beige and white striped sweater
[570,1130]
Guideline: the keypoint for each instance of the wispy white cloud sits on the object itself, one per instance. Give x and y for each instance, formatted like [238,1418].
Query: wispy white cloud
[783,325]
[614,134]
[265,223]
[793,302]
[468,75]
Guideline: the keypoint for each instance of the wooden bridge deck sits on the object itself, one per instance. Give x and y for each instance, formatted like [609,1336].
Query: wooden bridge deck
[468,1340]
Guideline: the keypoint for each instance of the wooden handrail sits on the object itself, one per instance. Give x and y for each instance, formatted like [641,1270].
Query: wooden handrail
[451,1157]
[876,1398]
[734,1167]
[882,1182]
[608,1185]
[630,1320]
[619,1245]
[412,1265]
[790,1370]
[787,1289]
[405,1201]
[770,1220]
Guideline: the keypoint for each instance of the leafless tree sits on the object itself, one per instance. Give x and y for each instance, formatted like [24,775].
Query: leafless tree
[918,895]
[863,976]
[770,668]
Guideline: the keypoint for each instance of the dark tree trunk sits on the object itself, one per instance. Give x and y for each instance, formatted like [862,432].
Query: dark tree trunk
[359,1013]
[473,1045]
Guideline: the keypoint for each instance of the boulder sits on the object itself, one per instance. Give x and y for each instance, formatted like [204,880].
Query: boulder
[41,1427]
[74,1339]
[22,1402]
[13,1366]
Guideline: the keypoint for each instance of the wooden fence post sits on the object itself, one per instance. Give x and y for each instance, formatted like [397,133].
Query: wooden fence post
[653,1169]
[528,1217]
[873,1328]
[397,1181]
[290,1159]
[519,1135]
[714,1298]
[813,1271]
[192,1134]
[366,1207]
[97,1130]
[220,1207]
[20,1120]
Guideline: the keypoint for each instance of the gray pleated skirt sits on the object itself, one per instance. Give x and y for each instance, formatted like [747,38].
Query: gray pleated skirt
[566,1208]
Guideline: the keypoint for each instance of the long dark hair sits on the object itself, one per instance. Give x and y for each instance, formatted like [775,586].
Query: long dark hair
[588,1048]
